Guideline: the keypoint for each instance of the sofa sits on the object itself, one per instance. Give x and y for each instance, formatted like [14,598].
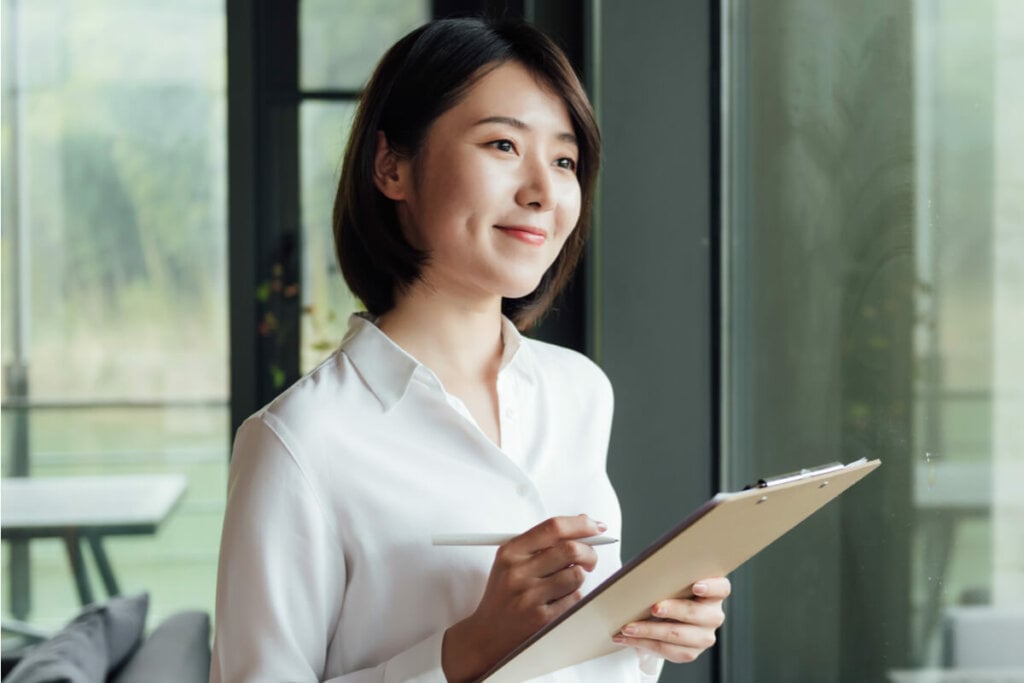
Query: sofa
[108,642]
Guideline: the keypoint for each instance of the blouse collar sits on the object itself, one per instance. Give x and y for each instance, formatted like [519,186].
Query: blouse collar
[388,369]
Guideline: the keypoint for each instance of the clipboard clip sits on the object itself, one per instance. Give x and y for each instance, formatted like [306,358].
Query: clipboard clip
[805,473]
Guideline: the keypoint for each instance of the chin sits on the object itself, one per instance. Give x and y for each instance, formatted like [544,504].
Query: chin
[520,288]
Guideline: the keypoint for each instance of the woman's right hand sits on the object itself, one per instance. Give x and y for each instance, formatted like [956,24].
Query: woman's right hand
[535,577]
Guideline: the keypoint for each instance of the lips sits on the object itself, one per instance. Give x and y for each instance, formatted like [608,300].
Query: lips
[524,233]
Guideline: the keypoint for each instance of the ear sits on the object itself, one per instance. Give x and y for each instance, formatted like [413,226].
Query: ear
[390,172]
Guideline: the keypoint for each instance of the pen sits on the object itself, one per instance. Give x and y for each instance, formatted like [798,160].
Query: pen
[800,474]
[499,539]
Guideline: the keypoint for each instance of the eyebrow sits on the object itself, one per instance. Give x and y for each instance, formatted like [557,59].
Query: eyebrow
[521,125]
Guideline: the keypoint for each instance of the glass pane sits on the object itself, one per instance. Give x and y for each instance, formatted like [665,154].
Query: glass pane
[875,270]
[341,40]
[326,301]
[115,280]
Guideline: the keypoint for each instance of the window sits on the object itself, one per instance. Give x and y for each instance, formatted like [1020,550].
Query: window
[873,258]
[340,43]
[115,343]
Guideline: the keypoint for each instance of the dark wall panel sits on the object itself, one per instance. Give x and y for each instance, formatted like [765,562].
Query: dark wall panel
[652,279]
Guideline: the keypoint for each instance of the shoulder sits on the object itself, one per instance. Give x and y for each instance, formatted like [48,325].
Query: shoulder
[569,370]
[288,447]
[331,386]
[312,407]
[552,358]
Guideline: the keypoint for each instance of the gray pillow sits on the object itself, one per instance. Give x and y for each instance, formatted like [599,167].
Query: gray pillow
[126,618]
[177,651]
[85,650]
[77,654]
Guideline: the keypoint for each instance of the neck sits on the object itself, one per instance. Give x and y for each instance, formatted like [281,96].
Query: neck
[459,342]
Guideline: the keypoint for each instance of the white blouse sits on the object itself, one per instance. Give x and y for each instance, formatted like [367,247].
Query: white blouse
[327,570]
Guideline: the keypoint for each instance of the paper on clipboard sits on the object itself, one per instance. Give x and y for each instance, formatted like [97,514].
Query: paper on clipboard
[714,540]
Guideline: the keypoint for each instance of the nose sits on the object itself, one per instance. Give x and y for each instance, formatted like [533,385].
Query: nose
[536,187]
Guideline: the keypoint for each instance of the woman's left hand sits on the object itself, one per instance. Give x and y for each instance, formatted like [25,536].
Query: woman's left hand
[682,628]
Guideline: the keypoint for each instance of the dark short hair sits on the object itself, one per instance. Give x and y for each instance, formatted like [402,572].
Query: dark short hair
[421,77]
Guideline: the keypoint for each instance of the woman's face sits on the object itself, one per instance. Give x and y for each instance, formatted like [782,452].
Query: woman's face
[493,192]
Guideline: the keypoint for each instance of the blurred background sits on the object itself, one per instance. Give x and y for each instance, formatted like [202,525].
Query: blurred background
[809,247]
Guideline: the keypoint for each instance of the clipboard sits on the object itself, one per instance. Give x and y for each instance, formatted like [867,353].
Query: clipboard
[714,540]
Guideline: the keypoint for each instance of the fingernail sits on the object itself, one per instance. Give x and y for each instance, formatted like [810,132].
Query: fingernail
[659,610]
[700,588]
[617,638]
[601,526]
[630,630]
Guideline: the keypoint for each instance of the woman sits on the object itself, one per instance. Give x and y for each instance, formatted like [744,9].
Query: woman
[462,209]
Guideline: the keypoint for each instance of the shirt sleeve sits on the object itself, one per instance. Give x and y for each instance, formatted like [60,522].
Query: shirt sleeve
[281,576]
[650,666]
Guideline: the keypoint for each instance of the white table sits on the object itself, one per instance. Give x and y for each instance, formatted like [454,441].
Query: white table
[87,508]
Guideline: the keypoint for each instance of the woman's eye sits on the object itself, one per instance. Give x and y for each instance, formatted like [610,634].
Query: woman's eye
[503,145]
[566,163]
